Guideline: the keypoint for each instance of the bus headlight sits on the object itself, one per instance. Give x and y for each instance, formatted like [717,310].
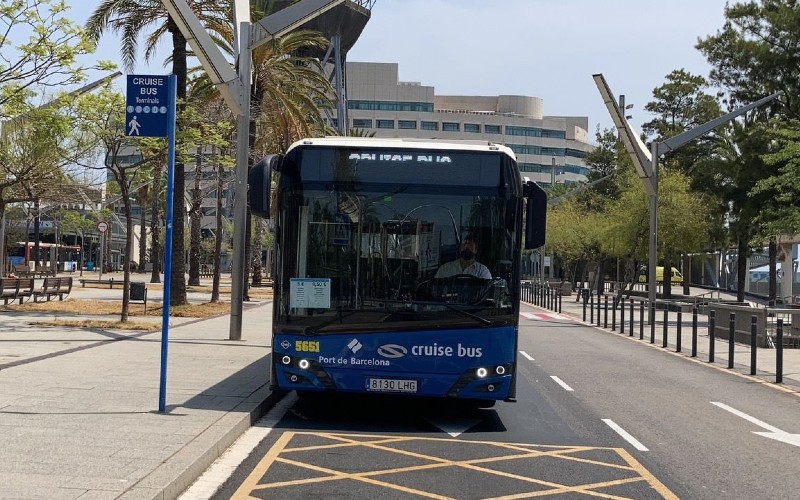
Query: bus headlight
[304,364]
[481,372]
[286,360]
[500,370]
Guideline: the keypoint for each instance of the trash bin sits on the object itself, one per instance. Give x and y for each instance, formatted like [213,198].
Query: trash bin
[90,266]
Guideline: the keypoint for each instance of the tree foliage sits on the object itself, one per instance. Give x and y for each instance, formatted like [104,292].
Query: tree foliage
[48,57]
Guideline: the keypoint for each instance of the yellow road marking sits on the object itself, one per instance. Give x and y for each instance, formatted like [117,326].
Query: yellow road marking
[377,442]
[251,481]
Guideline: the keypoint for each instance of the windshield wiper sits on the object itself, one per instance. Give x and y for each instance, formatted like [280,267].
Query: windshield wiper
[337,319]
[462,312]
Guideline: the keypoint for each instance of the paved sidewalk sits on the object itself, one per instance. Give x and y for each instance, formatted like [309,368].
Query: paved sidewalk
[78,408]
[765,358]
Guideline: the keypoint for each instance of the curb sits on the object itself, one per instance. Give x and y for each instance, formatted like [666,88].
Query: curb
[181,470]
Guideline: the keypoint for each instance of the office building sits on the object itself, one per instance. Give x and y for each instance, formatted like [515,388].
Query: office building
[378,102]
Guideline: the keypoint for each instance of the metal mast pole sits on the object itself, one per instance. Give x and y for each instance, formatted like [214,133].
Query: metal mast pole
[240,197]
[653,253]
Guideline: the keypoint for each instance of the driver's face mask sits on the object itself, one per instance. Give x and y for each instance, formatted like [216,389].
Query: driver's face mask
[467,254]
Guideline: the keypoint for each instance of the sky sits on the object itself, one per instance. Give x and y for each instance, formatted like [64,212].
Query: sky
[544,48]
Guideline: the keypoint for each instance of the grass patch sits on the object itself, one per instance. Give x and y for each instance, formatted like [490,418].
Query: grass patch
[100,324]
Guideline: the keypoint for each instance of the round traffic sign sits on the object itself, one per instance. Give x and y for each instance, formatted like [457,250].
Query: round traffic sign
[102,226]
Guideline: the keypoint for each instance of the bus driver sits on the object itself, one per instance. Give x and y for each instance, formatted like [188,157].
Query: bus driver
[465,263]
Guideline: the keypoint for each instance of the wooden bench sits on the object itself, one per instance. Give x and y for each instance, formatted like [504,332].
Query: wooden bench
[22,270]
[109,282]
[15,289]
[53,287]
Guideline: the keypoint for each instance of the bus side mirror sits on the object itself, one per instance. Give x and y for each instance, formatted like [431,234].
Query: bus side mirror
[535,215]
[258,183]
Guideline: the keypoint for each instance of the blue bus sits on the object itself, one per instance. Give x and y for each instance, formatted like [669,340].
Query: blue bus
[397,265]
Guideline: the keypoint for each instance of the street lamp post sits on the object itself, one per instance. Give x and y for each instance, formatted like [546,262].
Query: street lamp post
[646,164]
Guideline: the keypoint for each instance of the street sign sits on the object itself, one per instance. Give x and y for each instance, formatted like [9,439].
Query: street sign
[147,106]
[102,226]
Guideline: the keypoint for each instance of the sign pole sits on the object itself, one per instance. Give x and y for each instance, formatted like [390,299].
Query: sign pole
[150,112]
[172,91]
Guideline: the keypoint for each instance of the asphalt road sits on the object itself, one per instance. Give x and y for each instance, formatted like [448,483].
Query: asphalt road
[597,414]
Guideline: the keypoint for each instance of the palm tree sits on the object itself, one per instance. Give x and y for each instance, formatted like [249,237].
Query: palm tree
[134,19]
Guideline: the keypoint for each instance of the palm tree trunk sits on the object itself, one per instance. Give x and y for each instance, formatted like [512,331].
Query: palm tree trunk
[196,218]
[178,287]
[218,233]
[142,230]
[126,273]
[155,216]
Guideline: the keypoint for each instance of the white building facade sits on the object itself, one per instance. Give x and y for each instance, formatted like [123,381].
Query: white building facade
[377,101]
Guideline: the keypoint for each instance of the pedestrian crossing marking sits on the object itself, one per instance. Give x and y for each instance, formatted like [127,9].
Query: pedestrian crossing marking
[544,316]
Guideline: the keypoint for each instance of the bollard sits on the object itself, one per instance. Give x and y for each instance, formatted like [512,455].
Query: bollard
[614,315]
[753,344]
[630,330]
[605,313]
[678,341]
[641,320]
[666,325]
[694,331]
[559,303]
[622,315]
[591,309]
[651,315]
[584,306]
[598,310]
[711,320]
[779,354]
[731,339]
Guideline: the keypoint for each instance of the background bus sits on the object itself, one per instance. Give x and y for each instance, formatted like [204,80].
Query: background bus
[50,256]
[362,226]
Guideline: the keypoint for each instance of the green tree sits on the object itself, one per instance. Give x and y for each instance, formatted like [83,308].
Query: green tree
[753,55]
[680,104]
[48,57]
[132,19]
[76,223]
[101,116]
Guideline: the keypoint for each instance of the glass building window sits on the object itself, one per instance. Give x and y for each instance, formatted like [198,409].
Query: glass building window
[554,134]
[553,151]
[575,153]
[450,127]
[523,149]
[407,124]
[429,125]
[391,106]
[524,131]
[472,128]
[492,129]
[362,123]
[385,123]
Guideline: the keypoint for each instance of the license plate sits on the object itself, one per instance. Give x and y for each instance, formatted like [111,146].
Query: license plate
[391,385]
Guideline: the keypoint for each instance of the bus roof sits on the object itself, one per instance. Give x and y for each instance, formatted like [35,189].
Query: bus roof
[399,142]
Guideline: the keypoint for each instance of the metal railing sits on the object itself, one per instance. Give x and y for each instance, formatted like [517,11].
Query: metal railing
[772,328]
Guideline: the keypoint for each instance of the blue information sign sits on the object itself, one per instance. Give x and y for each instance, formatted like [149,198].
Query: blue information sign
[147,106]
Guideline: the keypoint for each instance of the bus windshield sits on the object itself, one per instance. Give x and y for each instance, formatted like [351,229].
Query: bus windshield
[361,251]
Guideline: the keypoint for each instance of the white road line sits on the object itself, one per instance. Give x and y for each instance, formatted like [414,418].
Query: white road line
[627,437]
[207,485]
[747,417]
[773,432]
[561,383]
[530,358]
